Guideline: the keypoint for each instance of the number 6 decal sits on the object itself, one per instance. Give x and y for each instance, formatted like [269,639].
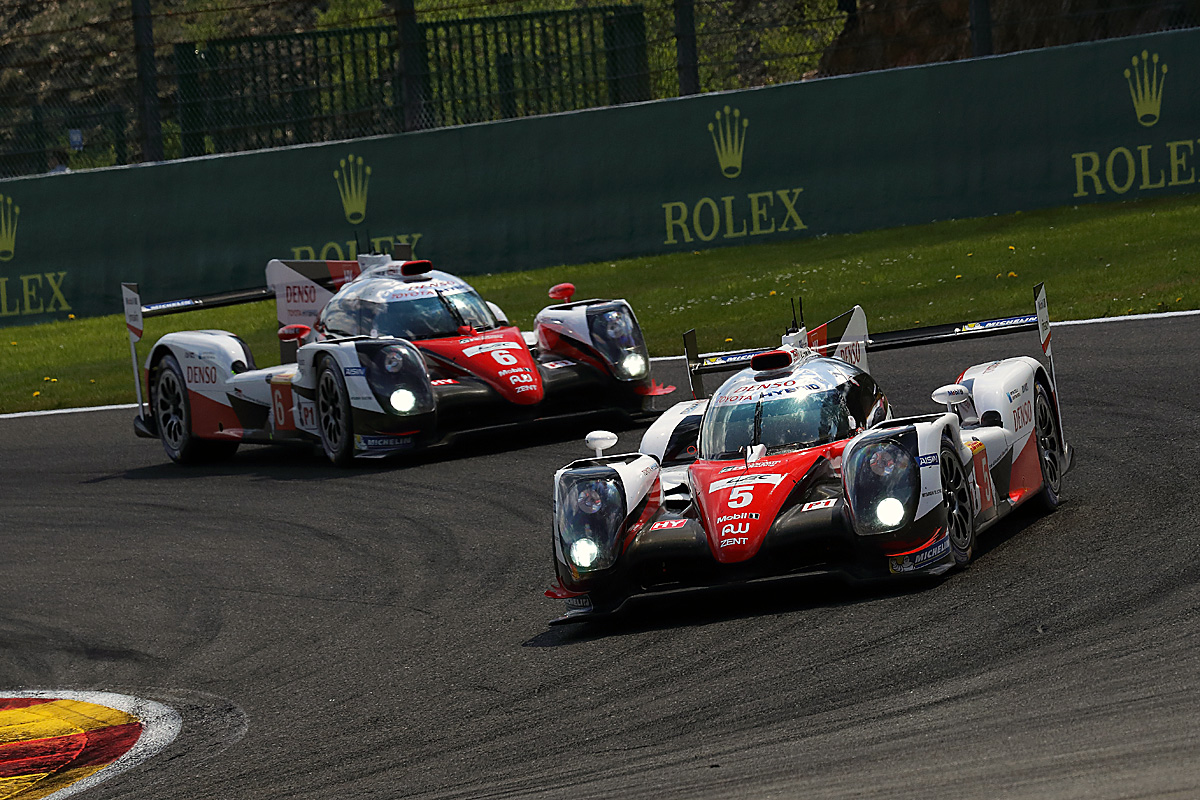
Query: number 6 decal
[741,496]
[504,358]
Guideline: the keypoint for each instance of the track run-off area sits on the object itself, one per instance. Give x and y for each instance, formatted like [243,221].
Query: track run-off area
[380,631]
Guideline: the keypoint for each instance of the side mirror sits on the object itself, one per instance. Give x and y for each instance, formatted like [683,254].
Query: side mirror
[600,441]
[562,291]
[294,333]
[497,312]
[951,395]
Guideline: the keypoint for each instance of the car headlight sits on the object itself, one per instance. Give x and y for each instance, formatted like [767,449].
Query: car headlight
[882,484]
[397,375]
[617,337]
[584,553]
[404,401]
[589,514]
[634,365]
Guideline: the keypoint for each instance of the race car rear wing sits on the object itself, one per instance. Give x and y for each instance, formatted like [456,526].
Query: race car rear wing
[849,333]
[300,288]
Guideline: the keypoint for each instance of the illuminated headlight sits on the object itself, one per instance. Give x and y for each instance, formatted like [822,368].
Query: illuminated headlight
[889,512]
[404,401]
[882,483]
[634,365]
[584,553]
[393,359]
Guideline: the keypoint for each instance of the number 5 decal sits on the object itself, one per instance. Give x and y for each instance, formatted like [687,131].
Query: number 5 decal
[741,496]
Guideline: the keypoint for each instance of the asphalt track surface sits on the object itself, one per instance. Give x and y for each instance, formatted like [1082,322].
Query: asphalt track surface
[380,632]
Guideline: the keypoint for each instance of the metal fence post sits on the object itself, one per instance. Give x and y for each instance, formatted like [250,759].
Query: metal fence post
[507,85]
[981,28]
[147,81]
[687,62]
[412,65]
[627,67]
[191,103]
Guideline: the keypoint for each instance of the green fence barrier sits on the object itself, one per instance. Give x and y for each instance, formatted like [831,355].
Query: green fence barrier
[1107,121]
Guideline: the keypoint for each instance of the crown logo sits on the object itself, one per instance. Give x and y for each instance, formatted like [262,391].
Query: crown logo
[729,139]
[1145,87]
[8,227]
[352,181]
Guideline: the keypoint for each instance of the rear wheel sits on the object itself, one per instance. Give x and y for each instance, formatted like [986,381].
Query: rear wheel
[333,414]
[960,517]
[173,416]
[1050,447]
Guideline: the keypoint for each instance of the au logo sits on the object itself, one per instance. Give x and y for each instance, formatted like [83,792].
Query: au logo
[9,215]
[352,182]
[1146,86]
[729,140]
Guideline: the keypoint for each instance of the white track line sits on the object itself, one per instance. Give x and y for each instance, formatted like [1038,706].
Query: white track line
[1127,318]
[66,411]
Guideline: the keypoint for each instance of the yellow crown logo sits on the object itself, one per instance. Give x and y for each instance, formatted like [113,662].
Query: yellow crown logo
[1145,87]
[8,227]
[352,181]
[729,139]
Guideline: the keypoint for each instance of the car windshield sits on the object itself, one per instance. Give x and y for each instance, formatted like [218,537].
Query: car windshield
[428,317]
[804,409]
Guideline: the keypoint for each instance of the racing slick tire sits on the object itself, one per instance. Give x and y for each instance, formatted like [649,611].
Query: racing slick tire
[960,517]
[333,414]
[1049,447]
[172,411]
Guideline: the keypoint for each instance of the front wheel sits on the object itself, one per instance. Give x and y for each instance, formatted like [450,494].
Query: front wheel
[960,517]
[333,414]
[172,411]
[1049,447]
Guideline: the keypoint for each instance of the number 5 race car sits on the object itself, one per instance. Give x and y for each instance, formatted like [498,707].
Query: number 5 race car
[401,357]
[797,465]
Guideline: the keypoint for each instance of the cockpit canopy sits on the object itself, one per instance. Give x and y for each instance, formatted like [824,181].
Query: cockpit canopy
[820,401]
[376,305]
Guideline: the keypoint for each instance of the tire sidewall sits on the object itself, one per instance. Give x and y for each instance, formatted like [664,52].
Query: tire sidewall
[343,452]
[962,552]
[1049,496]
[182,451]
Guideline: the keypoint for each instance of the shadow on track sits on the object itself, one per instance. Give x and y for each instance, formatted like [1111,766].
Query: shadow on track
[707,606]
[308,463]
[786,595]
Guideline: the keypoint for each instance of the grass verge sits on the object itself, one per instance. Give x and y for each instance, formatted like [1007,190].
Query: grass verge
[1096,260]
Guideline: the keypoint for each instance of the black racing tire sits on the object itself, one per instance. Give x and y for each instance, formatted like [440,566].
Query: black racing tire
[960,514]
[172,412]
[333,414]
[1051,456]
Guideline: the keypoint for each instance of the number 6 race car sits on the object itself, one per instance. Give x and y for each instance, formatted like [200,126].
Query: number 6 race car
[401,357]
[797,465]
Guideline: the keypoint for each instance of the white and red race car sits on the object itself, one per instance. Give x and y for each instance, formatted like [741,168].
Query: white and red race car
[401,357]
[796,464]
